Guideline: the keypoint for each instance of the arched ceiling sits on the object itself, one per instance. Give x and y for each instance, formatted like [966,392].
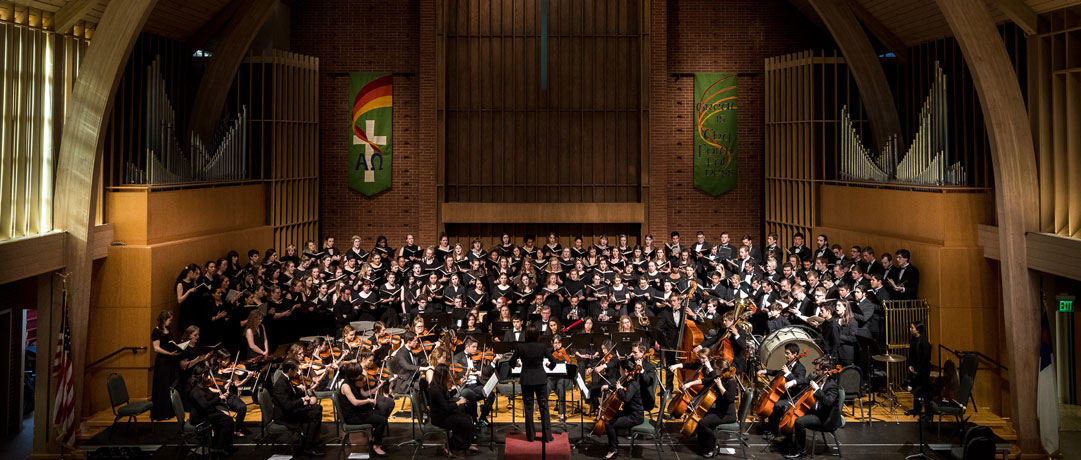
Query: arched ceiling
[177,19]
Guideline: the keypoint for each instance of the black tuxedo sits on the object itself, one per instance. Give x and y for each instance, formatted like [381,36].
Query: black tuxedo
[802,251]
[289,408]
[908,277]
[514,336]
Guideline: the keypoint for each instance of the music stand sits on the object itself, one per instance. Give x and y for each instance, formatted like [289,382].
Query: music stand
[500,328]
[503,371]
[623,341]
[457,317]
[606,327]
[435,319]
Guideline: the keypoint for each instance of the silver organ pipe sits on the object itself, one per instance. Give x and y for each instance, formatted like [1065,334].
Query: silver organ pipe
[927,160]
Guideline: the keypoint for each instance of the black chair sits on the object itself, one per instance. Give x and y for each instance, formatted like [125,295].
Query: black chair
[956,407]
[851,380]
[736,429]
[345,428]
[121,404]
[653,426]
[978,443]
[184,429]
[421,420]
[830,426]
[268,426]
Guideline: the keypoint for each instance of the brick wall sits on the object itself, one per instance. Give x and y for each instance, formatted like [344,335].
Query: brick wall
[701,36]
[686,36]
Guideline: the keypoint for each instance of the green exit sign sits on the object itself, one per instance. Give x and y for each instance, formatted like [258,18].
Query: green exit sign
[1065,302]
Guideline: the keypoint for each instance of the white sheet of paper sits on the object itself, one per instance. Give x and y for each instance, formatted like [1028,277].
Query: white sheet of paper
[582,386]
[560,368]
[490,385]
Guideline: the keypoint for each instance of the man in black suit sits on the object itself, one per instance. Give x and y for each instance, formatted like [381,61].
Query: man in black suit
[515,333]
[798,248]
[826,409]
[823,250]
[648,376]
[534,381]
[667,325]
[542,323]
[878,293]
[907,283]
[631,413]
[211,407]
[701,248]
[473,388]
[293,407]
[410,365]
[754,251]
[734,335]
[774,249]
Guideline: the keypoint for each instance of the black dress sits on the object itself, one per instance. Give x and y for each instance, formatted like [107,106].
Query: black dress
[166,370]
[447,414]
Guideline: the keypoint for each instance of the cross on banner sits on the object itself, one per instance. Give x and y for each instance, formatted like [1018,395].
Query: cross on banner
[369,167]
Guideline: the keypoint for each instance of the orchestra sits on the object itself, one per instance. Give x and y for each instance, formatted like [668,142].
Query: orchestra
[376,325]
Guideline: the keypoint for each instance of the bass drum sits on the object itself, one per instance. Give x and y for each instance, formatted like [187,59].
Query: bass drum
[771,353]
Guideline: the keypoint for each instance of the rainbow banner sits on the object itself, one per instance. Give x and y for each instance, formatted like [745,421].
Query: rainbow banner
[715,128]
[370,147]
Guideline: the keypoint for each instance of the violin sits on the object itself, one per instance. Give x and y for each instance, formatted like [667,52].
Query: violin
[561,354]
[768,399]
[301,379]
[356,342]
[330,352]
[802,404]
[423,346]
[704,402]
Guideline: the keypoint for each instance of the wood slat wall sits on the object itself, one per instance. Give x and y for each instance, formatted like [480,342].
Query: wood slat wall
[804,95]
[281,91]
[1054,97]
[39,70]
[491,234]
[506,140]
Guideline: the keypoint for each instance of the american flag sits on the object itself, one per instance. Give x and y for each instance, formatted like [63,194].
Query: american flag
[64,410]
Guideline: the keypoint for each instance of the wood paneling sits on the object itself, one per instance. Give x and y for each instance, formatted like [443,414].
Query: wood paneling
[145,217]
[1047,252]
[555,213]
[509,141]
[281,92]
[804,95]
[490,234]
[31,256]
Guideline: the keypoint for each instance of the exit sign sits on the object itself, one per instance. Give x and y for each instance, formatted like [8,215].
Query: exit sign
[1065,302]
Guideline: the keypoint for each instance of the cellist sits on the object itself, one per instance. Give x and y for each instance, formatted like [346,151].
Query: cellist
[630,414]
[734,338]
[724,407]
[795,376]
[826,401]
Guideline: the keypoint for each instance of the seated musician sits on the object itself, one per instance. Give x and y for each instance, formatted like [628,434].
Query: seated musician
[411,362]
[736,338]
[648,375]
[515,334]
[384,404]
[447,412]
[210,405]
[703,363]
[795,374]
[473,385]
[359,403]
[604,373]
[724,407]
[630,414]
[293,407]
[826,400]
[222,369]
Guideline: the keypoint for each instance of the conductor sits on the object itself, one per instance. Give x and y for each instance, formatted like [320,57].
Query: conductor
[534,381]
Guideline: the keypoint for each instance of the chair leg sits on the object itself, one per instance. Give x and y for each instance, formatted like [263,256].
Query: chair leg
[835,442]
[814,443]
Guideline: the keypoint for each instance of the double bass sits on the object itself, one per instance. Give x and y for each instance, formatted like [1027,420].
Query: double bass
[612,404]
[704,402]
[689,337]
[776,389]
[802,404]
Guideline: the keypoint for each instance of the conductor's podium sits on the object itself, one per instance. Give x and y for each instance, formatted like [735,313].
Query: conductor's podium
[518,449]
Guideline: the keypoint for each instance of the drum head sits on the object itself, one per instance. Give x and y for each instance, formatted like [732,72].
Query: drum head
[771,354]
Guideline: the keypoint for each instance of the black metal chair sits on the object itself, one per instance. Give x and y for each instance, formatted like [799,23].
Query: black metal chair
[851,380]
[956,407]
[345,428]
[184,429]
[121,404]
[653,426]
[423,421]
[268,426]
[735,430]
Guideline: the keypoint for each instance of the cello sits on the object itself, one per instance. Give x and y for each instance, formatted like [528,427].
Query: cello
[689,337]
[704,402]
[612,404]
[769,398]
[802,404]
[682,399]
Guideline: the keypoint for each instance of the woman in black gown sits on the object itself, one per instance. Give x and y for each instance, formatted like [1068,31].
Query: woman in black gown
[166,368]
[448,412]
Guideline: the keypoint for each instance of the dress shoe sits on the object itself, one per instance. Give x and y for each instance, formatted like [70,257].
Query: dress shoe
[794,454]
[710,454]
[314,452]
[377,454]
[611,455]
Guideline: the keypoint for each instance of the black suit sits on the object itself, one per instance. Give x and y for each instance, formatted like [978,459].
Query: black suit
[825,412]
[534,384]
[408,369]
[474,391]
[208,407]
[629,416]
[514,336]
[667,333]
[908,278]
[289,408]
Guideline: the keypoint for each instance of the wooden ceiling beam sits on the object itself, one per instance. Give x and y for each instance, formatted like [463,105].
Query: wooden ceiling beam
[209,30]
[71,13]
[862,61]
[880,31]
[224,63]
[1016,201]
[1020,13]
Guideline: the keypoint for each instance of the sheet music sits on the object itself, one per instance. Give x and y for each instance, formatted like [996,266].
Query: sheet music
[582,386]
[560,368]
[490,385]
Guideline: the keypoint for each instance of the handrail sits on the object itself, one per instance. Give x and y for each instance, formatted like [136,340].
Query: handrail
[960,354]
[134,350]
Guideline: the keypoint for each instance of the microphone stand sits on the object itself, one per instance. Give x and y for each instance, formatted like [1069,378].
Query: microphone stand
[919,423]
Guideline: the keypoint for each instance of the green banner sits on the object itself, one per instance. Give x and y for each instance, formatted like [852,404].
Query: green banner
[370,147]
[715,127]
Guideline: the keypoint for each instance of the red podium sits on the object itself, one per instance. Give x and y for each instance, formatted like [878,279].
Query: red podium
[518,449]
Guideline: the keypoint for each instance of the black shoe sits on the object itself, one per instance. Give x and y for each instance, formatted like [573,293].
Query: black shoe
[231,450]
[794,454]
[314,452]
[710,454]
[912,412]
[767,435]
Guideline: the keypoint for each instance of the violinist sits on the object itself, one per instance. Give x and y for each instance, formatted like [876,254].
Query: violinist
[648,375]
[604,373]
[222,371]
[534,381]
[735,338]
[378,378]
[558,384]
[293,406]
[446,412]
[411,362]
[472,386]
[724,407]
[381,342]
[630,414]
[360,402]
[209,405]
[825,408]
[329,356]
